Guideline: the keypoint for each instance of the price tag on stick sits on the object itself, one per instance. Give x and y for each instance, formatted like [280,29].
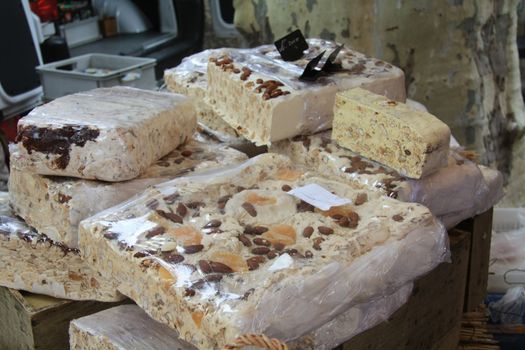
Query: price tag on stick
[292,46]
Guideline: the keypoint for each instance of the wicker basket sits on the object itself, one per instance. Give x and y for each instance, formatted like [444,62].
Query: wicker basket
[259,340]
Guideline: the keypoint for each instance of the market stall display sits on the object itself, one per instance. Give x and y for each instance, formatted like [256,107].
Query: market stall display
[319,239]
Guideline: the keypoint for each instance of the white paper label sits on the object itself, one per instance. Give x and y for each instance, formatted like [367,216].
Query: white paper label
[318,197]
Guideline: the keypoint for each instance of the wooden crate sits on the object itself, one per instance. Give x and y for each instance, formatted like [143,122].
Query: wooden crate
[431,318]
[31,321]
[480,227]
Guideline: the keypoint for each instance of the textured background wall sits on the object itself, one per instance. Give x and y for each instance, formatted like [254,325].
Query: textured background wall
[459,56]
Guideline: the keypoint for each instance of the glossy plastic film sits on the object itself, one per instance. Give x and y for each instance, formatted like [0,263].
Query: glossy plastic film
[229,252]
[190,78]
[32,262]
[64,202]
[458,191]
[353,321]
[110,134]
[104,328]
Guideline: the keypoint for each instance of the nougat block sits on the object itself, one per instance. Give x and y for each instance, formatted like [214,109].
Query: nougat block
[412,142]
[35,263]
[110,134]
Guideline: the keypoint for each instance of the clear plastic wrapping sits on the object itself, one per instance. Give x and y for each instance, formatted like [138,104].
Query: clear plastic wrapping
[353,321]
[104,329]
[190,78]
[55,205]
[32,262]
[110,134]
[455,192]
[230,252]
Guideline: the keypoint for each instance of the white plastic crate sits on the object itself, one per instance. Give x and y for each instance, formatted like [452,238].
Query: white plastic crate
[507,263]
[96,70]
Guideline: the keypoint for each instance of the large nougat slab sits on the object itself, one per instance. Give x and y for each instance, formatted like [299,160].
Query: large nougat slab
[460,188]
[55,205]
[261,96]
[110,134]
[125,327]
[412,142]
[32,262]
[232,252]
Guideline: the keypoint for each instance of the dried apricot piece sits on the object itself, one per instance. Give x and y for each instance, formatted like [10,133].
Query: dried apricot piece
[186,235]
[233,261]
[254,198]
[282,234]
[197,318]
[288,174]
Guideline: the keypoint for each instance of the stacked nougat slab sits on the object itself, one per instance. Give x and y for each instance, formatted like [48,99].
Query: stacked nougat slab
[261,96]
[110,134]
[457,191]
[56,205]
[33,262]
[232,252]
[138,127]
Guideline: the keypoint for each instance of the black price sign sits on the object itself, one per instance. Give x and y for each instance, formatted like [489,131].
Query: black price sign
[311,72]
[291,46]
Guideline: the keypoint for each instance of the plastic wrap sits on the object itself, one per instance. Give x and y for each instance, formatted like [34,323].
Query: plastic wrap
[353,321]
[510,309]
[110,134]
[190,78]
[488,194]
[32,262]
[230,252]
[507,250]
[56,205]
[104,330]
[456,192]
